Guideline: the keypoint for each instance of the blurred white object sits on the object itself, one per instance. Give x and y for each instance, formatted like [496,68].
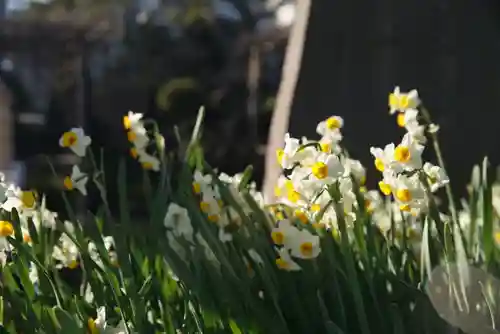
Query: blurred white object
[6,65]
[285,15]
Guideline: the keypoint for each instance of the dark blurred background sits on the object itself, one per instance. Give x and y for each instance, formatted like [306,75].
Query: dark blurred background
[86,63]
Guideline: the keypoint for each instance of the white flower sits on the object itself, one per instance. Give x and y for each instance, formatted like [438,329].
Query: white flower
[23,201]
[285,261]
[373,201]
[383,157]
[410,194]
[436,176]
[76,140]
[327,168]
[33,273]
[399,101]
[176,246]
[330,126]
[224,236]
[304,245]
[204,182]
[148,161]
[356,169]
[139,138]
[283,233]
[177,220]
[66,253]
[132,121]
[77,180]
[287,156]
[407,155]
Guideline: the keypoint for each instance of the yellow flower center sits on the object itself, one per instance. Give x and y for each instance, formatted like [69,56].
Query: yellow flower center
[69,139]
[306,249]
[131,136]
[363,180]
[315,208]
[196,188]
[279,155]
[126,123]
[401,120]
[28,198]
[301,215]
[333,123]
[6,228]
[497,237]
[368,205]
[282,264]
[213,218]
[326,147]
[384,188]
[278,237]
[363,189]
[73,264]
[147,165]
[405,207]
[404,101]
[293,196]
[133,153]
[402,154]
[26,238]
[379,164]
[204,206]
[320,170]
[393,101]
[68,183]
[404,195]
[92,326]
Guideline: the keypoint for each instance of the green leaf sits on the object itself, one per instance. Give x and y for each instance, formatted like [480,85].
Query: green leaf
[247,175]
[66,323]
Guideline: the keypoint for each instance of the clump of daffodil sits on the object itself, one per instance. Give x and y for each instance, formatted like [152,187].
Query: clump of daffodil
[314,167]
[295,242]
[405,176]
[138,136]
[212,205]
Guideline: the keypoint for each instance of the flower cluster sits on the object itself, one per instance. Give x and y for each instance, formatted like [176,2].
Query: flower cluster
[76,140]
[405,176]
[138,136]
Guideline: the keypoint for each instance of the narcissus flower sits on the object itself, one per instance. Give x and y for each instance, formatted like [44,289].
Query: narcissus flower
[399,101]
[303,245]
[285,261]
[132,121]
[330,126]
[327,167]
[178,221]
[77,180]
[149,162]
[436,176]
[76,140]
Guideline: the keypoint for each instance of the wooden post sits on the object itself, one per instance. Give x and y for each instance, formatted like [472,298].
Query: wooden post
[281,114]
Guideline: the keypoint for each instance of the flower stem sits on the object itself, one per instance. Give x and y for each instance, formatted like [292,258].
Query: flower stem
[439,156]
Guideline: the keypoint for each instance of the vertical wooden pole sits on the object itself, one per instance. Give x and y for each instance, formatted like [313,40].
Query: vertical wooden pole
[289,78]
